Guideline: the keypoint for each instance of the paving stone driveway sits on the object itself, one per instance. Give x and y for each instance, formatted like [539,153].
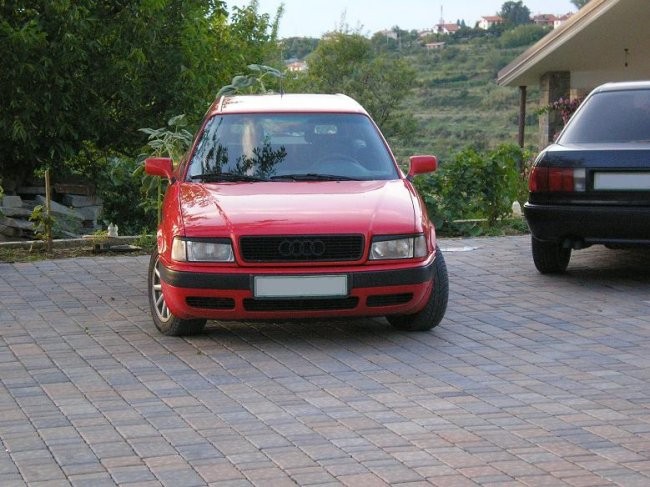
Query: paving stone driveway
[529,380]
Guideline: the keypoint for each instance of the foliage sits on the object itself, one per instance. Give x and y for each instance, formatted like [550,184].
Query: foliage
[41,56]
[251,37]
[475,186]
[297,47]
[90,70]
[43,224]
[337,59]
[346,63]
[456,102]
[514,13]
[396,41]
[127,201]
[252,83]
[99,238]
[146,241]
[523,35]
[564,106]
[170,141]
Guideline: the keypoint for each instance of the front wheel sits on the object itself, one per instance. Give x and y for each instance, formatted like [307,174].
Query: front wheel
[165,321]
[550,257]
[432,314]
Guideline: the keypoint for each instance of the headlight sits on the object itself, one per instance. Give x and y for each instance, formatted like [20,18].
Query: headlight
[398,248]
[202,250]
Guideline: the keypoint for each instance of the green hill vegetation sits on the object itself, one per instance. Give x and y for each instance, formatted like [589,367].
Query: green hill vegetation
[458,104]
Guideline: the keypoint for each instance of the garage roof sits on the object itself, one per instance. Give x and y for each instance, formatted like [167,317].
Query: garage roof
[607,40]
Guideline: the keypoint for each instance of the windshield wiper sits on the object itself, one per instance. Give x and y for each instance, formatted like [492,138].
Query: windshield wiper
[225,176]
[312,177]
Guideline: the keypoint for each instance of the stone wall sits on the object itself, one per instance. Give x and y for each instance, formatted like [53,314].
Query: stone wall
[76,214]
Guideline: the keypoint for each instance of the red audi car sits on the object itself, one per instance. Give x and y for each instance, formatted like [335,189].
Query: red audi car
[293,206]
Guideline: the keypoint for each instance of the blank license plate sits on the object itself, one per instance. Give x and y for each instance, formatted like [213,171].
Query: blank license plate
[300,286]
[627,181]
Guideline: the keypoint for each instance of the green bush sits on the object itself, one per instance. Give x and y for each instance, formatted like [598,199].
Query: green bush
[128,201]
[475,189]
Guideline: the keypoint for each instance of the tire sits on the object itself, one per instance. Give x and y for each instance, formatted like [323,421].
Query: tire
[165,321]
[432,314]
[550,257]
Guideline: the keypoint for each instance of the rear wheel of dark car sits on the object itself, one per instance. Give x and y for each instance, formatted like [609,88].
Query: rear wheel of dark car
[550,257]
[432,314]
[163,318]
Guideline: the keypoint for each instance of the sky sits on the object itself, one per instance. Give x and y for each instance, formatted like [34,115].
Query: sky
[313,18]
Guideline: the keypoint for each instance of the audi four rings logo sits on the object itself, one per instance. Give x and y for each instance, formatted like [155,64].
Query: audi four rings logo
[301,248]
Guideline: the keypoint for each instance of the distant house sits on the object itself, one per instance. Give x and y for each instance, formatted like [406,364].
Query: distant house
[432,46]
[550,20]
[561,20]
[297,66]
[547,20]
[489,21]
[447,28]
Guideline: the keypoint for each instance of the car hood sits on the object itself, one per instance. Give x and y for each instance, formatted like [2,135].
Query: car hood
[263,208]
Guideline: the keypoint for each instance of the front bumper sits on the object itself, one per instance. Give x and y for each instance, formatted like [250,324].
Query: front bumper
[589,224]
[229,295]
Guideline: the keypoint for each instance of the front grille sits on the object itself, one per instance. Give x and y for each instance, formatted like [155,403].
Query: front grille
[388,299]
[300,304]
[210,303]
[302,248]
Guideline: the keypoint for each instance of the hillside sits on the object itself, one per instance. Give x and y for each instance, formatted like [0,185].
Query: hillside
[455,101]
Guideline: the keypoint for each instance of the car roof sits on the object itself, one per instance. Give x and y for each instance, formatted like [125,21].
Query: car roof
[623,86]
[286,103]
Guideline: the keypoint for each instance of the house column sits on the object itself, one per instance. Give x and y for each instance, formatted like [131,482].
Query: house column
[553,86]
[521,138]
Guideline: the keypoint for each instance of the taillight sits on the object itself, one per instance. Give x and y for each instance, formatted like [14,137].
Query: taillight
[556,179]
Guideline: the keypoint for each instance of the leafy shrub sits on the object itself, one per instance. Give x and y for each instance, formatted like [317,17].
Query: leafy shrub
[127,201]
[475,186]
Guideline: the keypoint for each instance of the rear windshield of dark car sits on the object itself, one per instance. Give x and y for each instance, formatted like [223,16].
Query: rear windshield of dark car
[611,117]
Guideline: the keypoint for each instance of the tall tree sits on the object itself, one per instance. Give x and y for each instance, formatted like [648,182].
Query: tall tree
[92,72]
[514,13]
[45,49]
[346,63]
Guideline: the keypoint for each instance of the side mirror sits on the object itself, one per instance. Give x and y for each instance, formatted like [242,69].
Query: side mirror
[159,166]
[421,165]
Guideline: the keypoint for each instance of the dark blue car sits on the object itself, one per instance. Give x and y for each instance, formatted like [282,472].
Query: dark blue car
[592,186]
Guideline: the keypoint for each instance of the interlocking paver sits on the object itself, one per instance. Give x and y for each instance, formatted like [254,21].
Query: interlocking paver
[529,380]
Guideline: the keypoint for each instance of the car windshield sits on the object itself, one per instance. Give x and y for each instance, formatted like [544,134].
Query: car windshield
[290,147]
[611,117]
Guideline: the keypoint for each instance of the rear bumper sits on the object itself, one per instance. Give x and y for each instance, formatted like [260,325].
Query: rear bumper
[589,224]
[229,296]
